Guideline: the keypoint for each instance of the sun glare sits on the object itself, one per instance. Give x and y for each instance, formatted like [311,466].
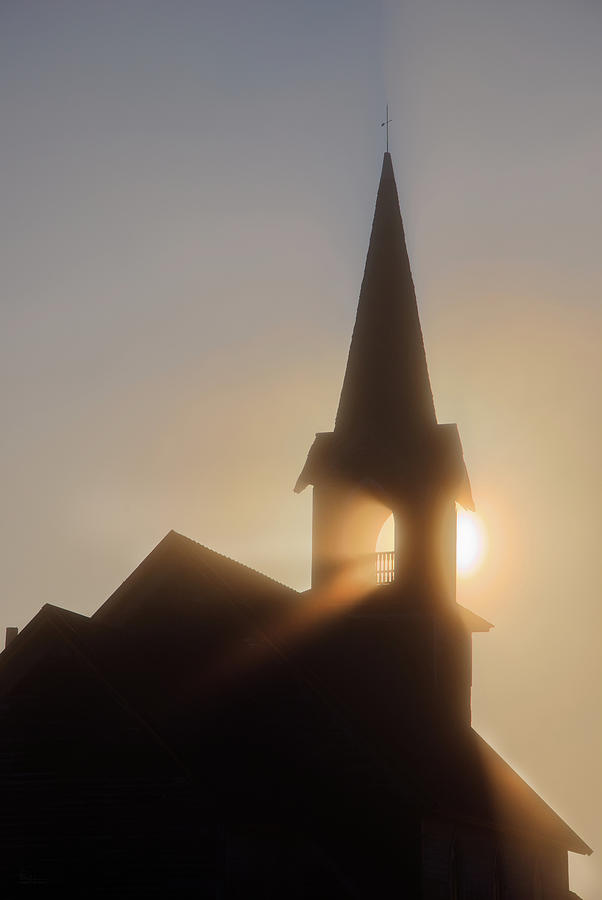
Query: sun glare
[471,543]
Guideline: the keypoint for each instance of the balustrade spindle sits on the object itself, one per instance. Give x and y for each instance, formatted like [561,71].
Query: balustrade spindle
[385,567]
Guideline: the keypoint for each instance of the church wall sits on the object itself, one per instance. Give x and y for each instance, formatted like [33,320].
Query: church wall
[486,863]
[535,871]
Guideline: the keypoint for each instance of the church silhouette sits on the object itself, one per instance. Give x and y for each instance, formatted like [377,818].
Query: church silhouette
[211,733]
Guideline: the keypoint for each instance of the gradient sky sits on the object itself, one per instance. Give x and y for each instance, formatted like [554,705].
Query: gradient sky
[187,191]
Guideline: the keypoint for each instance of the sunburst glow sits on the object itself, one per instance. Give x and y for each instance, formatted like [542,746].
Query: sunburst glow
[471,544]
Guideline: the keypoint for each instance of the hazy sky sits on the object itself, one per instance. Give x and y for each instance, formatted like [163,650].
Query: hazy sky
[187,191]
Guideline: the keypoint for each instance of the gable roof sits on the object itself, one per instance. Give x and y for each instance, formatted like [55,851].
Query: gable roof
[214,574]
[74,647]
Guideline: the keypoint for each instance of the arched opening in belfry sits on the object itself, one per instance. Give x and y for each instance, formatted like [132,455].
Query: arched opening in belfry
[387,547]
[364,520]
[386,536]
[347,521]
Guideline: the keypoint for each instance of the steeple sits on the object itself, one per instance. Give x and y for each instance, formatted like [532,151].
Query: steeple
[387,453]
[386,391]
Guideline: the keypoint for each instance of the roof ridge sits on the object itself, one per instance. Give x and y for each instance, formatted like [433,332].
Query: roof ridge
[230,559]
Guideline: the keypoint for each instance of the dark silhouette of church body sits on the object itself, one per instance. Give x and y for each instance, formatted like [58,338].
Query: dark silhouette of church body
[211,733]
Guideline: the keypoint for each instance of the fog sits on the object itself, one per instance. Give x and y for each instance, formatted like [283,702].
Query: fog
[187,193]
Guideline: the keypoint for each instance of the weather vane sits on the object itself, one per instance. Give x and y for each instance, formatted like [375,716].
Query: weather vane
[386,125]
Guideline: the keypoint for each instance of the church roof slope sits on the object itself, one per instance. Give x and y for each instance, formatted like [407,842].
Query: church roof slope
[216,576]
[60,664]
[474,777]
[520,800]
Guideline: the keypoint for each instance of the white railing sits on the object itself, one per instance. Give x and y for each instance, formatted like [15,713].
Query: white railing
[385,567]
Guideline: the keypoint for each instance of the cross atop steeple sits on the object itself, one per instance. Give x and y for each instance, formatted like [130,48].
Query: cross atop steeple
[386,125]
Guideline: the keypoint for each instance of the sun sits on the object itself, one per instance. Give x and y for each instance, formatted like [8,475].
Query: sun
[471,544]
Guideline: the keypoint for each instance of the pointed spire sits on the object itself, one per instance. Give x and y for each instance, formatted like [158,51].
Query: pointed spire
[386,391]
